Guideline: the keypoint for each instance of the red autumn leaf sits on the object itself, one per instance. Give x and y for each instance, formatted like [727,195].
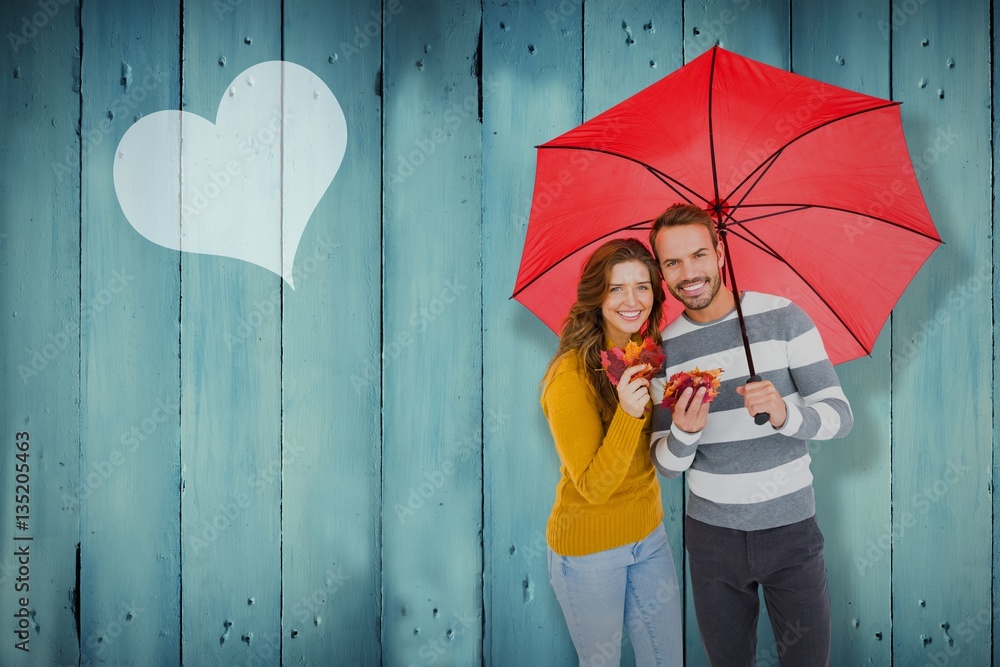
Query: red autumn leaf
[695,379]
[615,361]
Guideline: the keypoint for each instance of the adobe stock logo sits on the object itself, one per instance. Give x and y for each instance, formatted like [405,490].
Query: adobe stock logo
[245,186]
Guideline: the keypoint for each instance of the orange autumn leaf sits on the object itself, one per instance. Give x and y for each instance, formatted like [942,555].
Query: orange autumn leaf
[695,379]
[616,360]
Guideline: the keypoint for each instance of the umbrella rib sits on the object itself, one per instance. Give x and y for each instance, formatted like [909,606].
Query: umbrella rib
[761,244]
[711,132]
[666,179]
[635,226]
[774,156]
[670,182]
[795,207]
[753,242]
[732,209]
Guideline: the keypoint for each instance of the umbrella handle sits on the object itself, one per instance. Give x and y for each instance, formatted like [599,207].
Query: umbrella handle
[760,418]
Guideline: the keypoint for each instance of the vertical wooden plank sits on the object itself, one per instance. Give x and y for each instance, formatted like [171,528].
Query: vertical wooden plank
[39,331]
[432,337]
[995,631]
[129,564]
[331,504]
[532,85]
[757,29]
[942,327]
[231,384]
[129,367]
[626,47]
[842,44]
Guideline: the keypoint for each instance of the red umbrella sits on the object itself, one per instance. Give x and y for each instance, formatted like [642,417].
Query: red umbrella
[811,186]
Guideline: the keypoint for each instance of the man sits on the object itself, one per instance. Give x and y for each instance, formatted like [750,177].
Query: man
[751,511]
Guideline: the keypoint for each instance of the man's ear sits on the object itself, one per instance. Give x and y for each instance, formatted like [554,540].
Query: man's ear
[721,252]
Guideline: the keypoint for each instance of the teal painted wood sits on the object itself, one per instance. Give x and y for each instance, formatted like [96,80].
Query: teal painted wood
[231,448]
[331,396]
[841,44]
[942,460]
[433,415]
[627,47]
[996,372]
[532,83]
[39,332]
[757,29]
[129,553]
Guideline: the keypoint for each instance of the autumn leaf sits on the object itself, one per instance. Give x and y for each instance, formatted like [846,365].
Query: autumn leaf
[695,379]
[616,360]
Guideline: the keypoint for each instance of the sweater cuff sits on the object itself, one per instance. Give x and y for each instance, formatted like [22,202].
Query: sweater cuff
[793,420]
[683,437]
[624,428]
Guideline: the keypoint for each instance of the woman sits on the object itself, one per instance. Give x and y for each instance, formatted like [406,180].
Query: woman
[609,561]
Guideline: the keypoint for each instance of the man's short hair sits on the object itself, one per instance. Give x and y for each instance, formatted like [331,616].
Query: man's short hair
[682,214]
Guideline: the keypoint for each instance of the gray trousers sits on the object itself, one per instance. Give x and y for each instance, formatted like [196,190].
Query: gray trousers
[728,565]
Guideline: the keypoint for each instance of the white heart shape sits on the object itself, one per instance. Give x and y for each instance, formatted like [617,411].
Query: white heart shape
[244,187]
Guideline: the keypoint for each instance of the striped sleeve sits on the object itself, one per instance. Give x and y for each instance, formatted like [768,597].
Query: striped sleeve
[819,410]
[672,450]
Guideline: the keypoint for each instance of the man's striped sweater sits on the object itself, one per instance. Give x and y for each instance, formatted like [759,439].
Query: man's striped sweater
[741,475]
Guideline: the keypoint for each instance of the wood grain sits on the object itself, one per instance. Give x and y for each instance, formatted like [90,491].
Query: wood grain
[942,457]
[432,415]
[331,389]
[40,303]
[129,524]
[231,447]
[842,45]
[532,69]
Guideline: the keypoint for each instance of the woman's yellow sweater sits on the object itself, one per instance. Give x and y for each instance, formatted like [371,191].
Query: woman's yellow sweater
[608,494]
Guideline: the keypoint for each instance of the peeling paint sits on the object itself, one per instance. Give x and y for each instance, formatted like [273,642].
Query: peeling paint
[947,637]
[126,75]
[629,41]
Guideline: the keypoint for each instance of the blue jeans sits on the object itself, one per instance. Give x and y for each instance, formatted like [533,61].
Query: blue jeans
[636,584]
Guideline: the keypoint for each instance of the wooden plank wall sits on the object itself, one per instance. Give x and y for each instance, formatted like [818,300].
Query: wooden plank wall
[224,470]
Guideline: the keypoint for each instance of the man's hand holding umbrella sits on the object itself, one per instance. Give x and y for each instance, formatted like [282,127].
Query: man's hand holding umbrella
[762,397]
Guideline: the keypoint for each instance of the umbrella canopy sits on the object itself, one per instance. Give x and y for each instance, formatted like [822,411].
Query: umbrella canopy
[811,186]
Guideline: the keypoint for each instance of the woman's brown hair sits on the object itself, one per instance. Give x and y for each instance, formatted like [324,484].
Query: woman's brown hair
[583,329]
